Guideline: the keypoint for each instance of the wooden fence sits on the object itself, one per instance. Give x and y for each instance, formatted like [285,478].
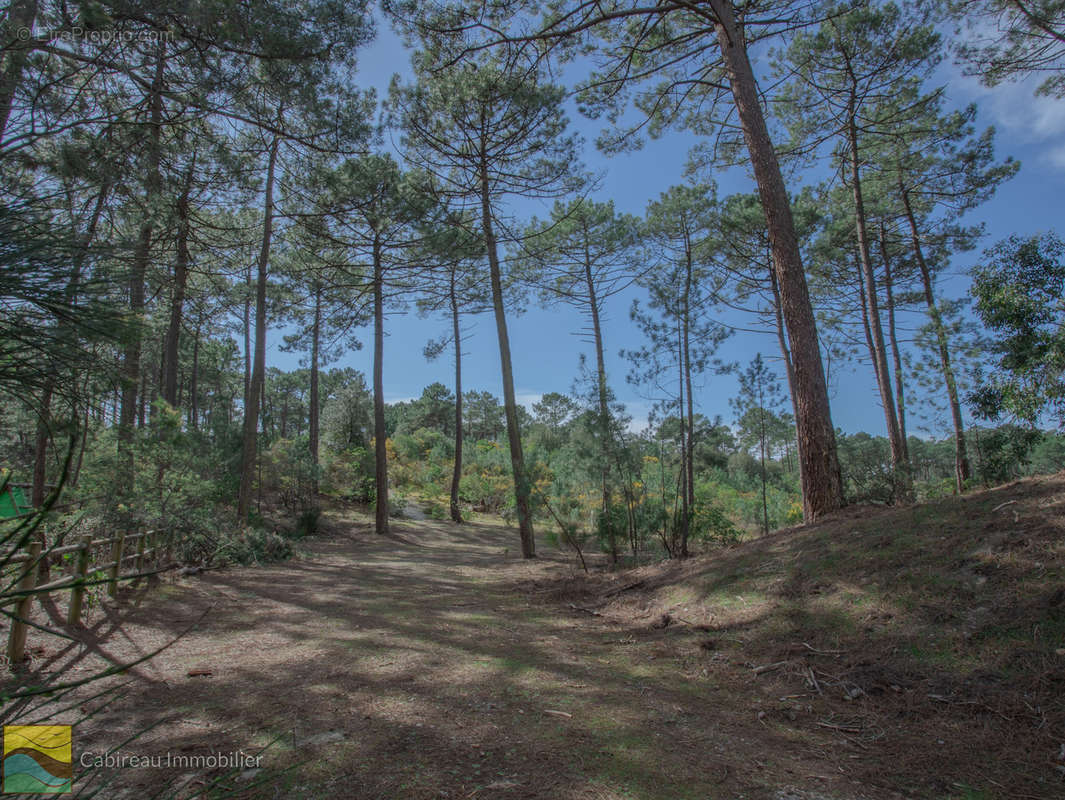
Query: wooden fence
[149,545]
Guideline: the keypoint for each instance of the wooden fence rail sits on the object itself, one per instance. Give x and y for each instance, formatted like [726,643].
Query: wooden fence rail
[149,547]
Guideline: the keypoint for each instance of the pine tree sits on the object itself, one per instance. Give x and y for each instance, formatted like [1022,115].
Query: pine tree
[583,255]
[488,131]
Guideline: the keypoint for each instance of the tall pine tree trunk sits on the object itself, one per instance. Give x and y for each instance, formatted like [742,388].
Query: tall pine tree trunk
[312,421]
[962,471]
[64,329]
[902,480]
[21,16]
[248,286]
[194,411]
[761,441]
[522,490]
[682,488]
[40,448]
[689,454]
[456,335]
[171,346]
[785,353]
[131,356]
[380,441]
[603,400]
[820,472]
[893,340]
[249,450]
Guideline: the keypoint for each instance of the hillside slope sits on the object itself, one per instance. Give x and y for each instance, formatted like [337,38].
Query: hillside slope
[930,639]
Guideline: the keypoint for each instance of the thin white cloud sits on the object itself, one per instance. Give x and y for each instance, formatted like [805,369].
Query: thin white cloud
[1014,109]
[528,398]
[1057,157]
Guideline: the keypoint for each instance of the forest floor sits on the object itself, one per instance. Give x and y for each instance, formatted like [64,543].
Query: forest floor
[883,653]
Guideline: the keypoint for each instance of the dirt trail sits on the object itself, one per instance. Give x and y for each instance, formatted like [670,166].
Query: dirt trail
[428,665]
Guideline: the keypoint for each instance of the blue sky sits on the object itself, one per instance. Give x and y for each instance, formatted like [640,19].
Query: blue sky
[544,347]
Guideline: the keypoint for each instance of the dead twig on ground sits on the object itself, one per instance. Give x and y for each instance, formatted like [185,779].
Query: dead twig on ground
[769,667]
[813,680]
[591,611]
[621,589]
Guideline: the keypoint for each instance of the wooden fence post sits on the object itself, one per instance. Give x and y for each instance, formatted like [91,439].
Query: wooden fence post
[16,642]
[116,566]
[139,563]
[80,572]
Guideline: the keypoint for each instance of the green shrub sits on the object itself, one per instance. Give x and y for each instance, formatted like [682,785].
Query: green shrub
[307,524]
[253,546]
[710,523]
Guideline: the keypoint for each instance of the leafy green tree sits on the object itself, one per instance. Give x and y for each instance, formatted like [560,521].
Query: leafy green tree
[552,414]
[435,410]
[759,396]
[348,415]
[865,461]
[482,415]
[1019,290]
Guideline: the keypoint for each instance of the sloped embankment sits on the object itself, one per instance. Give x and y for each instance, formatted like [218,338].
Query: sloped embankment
[929,639]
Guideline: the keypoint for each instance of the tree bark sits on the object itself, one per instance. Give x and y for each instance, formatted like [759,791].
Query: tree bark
[685,509]
[785,352]
[21,15]
[761,440]
[522,489]
[689,455]
[456,334]
[604,405]
[903,485]
[893,341]
[194,411]
[177,297]
[313,402]
[40,448]
[249,451]
[962,470]
[247,336]
[44,423]
[380,441]
[820,472]
[131,357]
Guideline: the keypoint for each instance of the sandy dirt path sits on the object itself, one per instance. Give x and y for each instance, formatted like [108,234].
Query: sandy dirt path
[430,664]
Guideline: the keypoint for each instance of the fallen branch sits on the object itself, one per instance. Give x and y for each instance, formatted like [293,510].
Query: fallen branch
[823,652]
[591,611]
[1003,505]
[813,680]
[558,713]
[843,728]
[769,667]
[621,589]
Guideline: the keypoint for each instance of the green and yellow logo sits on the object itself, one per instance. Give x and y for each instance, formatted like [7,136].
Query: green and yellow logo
[37,759]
